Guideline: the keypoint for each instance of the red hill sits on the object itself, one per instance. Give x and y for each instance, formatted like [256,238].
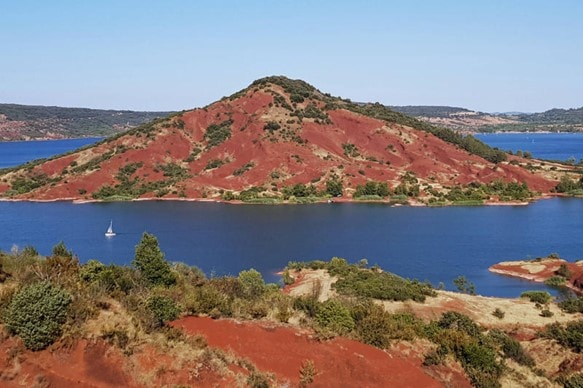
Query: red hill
[262,142]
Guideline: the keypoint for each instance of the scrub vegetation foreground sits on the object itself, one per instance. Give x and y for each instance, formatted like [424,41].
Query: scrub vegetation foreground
[160,323]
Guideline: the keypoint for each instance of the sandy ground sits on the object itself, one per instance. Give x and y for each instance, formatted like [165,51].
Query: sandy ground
[480,308]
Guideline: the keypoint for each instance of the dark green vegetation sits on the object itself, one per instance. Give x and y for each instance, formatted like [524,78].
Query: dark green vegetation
[569,186]
[217,133]
[36,314]
[73,122]
[569,335]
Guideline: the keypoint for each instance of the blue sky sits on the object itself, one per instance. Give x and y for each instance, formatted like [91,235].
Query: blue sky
[512,55]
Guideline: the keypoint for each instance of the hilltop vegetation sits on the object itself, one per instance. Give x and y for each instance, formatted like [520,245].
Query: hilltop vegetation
[26,122]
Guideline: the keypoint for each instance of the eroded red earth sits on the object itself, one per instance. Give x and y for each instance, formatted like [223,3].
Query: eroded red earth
[283,350]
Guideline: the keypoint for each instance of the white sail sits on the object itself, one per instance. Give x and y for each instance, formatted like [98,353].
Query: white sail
[110,232]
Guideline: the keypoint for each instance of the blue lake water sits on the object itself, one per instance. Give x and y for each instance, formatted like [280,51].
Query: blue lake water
[551,146]
[435,244]
[19,152]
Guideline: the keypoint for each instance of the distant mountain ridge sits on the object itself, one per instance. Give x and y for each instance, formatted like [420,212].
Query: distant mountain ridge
[28,122]
[465,120]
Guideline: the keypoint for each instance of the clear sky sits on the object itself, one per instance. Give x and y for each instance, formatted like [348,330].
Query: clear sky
[490,55]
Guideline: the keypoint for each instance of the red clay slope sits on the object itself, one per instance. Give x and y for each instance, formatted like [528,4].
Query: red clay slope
[306,149]
[339,363]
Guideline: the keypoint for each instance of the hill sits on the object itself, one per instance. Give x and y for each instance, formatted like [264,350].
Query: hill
[29,122]
[282,139]
[461,119]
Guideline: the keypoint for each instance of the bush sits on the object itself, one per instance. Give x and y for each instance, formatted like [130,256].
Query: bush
[570,335]
[555,281]
[572,305]
[511,348]
[541,297]
[252,283]
[163,309]
[37,313]
[334,316]
[217,133]
[498,313]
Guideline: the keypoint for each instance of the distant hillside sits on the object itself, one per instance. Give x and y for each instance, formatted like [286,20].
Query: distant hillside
[430,110]
[465,120]
[27,122]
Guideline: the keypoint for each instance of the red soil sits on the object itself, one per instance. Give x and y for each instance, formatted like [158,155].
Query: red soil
[83,365]
[283,350]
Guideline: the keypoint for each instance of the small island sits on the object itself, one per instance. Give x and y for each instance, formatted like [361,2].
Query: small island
[551,270]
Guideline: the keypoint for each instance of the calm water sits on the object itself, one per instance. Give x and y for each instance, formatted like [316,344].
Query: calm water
[18,152]
[551,146]
[425,243]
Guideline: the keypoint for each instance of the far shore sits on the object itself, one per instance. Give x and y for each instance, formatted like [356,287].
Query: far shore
[411,203]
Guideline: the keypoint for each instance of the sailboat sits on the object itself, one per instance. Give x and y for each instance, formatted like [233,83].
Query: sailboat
[110,232]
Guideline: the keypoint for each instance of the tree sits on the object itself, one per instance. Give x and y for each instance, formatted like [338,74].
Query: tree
[464,285]
[60,250]
[149,260]
[334,188]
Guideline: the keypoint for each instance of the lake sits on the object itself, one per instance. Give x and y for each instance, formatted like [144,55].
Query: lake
[550,146]
[435,244]
[18,152]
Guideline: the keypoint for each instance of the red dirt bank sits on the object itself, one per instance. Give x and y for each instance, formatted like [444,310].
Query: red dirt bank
[282,350]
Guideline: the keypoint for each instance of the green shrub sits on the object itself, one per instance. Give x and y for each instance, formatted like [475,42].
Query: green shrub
[217,133]
[464,285]
[91,270]
[460,322]
[569,335]
[37,313]
[271,126]
[511,347]
[498,313]
[556,281]
[564,271]
[573,381]
[334,316]
[334,188]
[214,163]
[382,285]
[546,313]
[164,309]
[541,297]
[372,324]
[252,283]
[572,305]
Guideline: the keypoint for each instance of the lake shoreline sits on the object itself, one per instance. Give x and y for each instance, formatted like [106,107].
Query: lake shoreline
[410,203]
